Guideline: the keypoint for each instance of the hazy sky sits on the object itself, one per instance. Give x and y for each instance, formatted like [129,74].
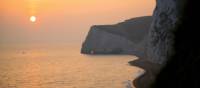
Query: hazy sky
[63,21]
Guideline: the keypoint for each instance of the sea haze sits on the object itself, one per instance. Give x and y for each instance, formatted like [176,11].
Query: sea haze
[50,66]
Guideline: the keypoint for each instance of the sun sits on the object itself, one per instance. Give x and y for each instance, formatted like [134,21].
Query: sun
[33,18]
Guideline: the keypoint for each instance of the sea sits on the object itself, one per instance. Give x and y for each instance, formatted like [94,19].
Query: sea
[63,66]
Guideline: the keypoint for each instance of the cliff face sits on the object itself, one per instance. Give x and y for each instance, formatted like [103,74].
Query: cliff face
[127,37]
[161,38]
[100,41]
[163,52]
[182,68]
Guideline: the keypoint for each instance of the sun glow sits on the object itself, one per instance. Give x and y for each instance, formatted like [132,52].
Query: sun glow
[33,18]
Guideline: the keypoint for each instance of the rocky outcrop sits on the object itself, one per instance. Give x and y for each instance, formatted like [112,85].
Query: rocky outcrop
[161,38]
[123,38]
[182,68]
[167,51]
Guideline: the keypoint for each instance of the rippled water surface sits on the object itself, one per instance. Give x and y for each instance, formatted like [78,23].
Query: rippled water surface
[62,67]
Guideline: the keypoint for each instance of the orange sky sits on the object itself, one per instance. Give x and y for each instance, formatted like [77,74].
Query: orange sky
[63,20]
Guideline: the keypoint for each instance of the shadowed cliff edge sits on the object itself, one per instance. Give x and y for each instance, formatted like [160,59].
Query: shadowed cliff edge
[127,37]
[182,68]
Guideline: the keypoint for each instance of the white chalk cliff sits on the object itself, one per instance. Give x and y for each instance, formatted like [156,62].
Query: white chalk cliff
[127,37]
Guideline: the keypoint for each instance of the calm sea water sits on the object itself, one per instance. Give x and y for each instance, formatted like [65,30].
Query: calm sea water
[63,66]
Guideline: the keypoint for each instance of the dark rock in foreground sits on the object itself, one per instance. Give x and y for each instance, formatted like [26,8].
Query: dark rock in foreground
[173,51]
[182,68]
[128,37]
[160,43]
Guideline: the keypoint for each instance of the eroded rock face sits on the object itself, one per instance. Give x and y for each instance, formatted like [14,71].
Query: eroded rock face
[128,37]
[161,38]
[160,47]
[182,69]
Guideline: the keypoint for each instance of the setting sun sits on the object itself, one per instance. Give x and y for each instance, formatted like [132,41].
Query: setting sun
[32,18]
[41,42]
